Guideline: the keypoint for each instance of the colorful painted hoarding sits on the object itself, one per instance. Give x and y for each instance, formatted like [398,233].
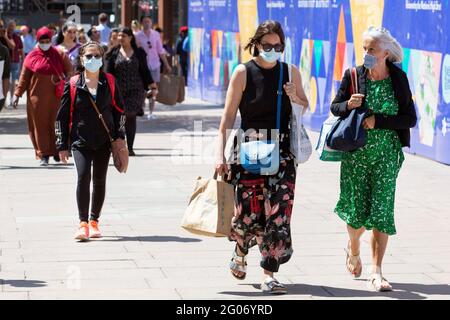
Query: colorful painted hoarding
[324,38]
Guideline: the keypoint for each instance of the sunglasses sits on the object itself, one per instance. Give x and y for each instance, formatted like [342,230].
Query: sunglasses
[89,56]
[149,44]
[267,47]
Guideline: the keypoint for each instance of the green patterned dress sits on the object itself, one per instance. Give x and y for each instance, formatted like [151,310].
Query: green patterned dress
[369,174]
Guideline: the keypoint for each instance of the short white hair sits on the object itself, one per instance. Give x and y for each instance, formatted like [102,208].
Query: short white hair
[387,42]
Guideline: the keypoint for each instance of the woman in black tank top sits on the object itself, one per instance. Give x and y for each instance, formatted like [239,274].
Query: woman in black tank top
[258,106]
[263,204]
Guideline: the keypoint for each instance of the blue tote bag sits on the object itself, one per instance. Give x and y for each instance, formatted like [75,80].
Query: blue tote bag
[348,134]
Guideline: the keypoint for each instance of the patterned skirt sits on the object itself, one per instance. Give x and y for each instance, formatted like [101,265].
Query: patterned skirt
[263,209]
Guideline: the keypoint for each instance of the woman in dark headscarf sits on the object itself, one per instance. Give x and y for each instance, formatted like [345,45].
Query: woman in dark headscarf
[44,71]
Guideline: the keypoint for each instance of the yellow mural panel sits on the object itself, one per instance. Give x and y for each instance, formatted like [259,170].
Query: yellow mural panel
[313,96]
[365,13]
[248,22]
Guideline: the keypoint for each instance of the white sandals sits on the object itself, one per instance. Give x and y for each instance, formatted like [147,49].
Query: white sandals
[273,286]
[377,281]
[238,264]
[352,262]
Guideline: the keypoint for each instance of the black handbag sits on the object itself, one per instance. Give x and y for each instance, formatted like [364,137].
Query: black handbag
[348,134]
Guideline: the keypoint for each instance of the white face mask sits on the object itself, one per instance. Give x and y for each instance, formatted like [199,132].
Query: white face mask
[270,56]
[44,46]
[93,64]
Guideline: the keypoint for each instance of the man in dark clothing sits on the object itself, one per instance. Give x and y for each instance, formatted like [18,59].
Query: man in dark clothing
[5,62]
[95,35]
[181,52]
[4,39]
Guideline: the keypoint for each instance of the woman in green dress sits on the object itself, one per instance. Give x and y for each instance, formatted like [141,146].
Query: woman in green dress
[369,174]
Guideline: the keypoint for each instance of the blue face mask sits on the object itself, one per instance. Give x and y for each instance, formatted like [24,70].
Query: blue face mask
[92,65]
[369,61]
[270,56]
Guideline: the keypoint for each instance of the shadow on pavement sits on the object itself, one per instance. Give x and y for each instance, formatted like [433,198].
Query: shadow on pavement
[402,291]
[24,283]
[50,167]
[16,148]
[16,122]
[13,125]
[154,149]
[166,123]
[163,155]
[163,124]
[186,107]
[428,289]
[151,239]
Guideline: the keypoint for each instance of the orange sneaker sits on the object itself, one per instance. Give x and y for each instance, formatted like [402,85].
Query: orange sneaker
[82,233]
[93,229]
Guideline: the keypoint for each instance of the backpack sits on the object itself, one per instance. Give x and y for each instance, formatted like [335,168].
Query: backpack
[73,89]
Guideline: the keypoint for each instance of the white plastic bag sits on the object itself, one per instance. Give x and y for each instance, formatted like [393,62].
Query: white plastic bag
[325,152]
[300,144]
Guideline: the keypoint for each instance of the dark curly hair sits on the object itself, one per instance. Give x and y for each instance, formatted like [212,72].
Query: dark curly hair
[267,27]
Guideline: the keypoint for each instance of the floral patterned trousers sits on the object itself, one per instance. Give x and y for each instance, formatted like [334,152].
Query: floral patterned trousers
[263,209]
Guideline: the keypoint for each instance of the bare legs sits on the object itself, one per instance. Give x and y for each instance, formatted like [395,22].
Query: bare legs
[355,236]
[378,243]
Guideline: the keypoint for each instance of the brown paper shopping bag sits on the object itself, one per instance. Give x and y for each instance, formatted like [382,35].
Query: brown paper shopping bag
[181,89]
[210,208]
[168,89]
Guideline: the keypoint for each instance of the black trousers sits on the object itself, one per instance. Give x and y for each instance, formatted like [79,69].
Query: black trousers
[184,68]
[130,129]
[97,160]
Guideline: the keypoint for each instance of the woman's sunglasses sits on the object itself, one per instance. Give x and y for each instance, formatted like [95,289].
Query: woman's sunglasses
[267,47]
[149,44]
[89,56]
